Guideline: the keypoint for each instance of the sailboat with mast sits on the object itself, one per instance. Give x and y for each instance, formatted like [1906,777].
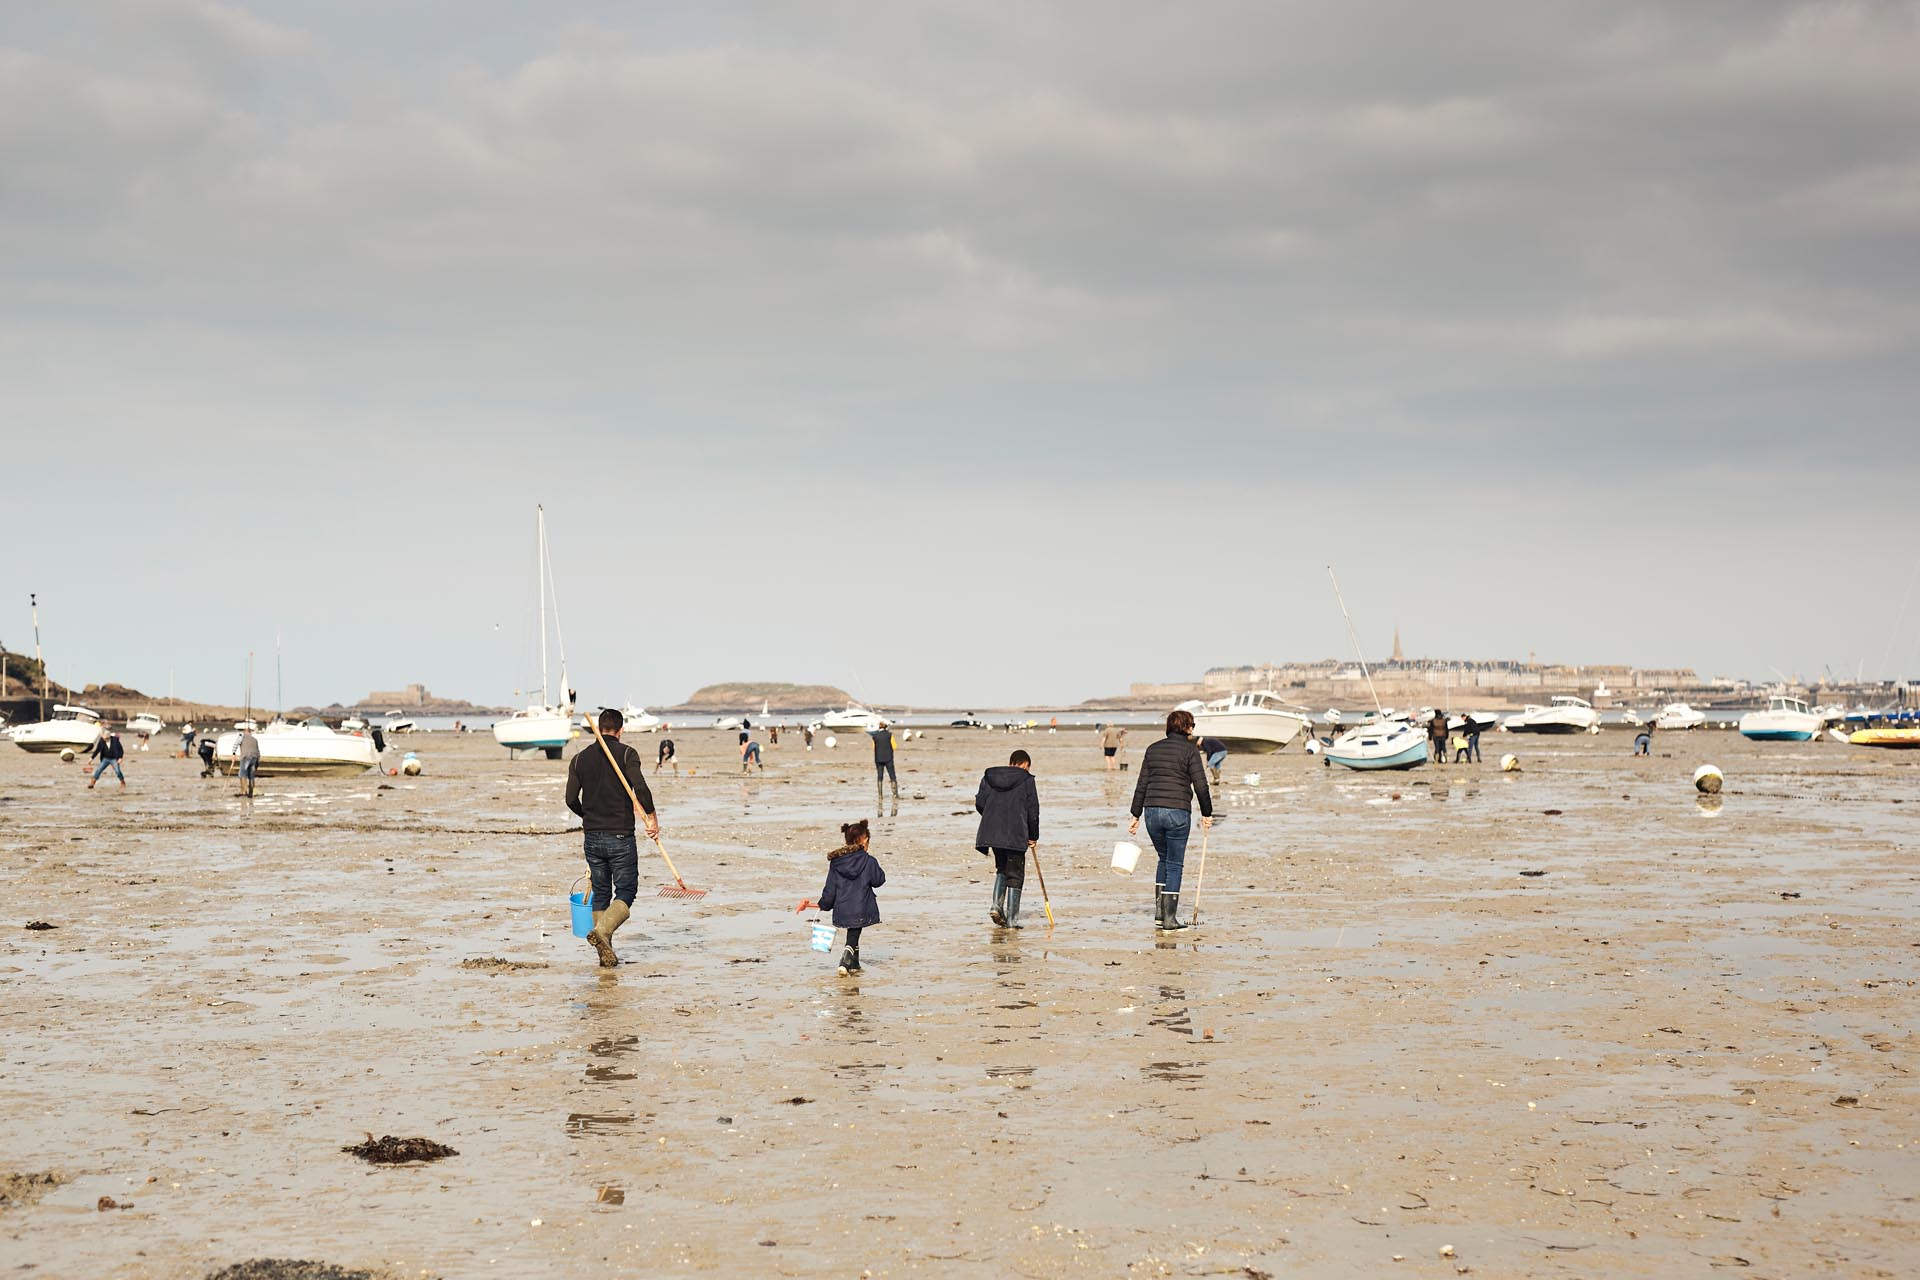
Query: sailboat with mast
[1383,741]
[545,725]
[74,727]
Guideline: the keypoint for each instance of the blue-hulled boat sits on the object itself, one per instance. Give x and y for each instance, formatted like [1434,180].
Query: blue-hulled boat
[1380,744]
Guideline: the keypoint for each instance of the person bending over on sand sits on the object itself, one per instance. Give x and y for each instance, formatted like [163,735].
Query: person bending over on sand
[1009,806]
[1643,741]
[606,822]
[206,757]
[1216,753]
[883,766]
[108,747]
[667,757]
[1171,774]
[750,750]
[852,875]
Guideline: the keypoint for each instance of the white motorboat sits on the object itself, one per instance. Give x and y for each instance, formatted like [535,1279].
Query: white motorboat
[1566,714]
[308,749]
[1786,719]
[1257,722]
[638,718]
[76,727]
[1678,715]
[146,724]
[855,719]
[397,723]
[544,725]
[1473,722]
[1380,744]
[353,724]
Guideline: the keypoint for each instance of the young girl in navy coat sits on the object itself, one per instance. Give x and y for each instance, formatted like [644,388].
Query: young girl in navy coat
[852,876]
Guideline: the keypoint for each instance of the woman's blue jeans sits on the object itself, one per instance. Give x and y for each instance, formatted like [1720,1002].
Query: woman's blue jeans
[1169,829]
[613,861]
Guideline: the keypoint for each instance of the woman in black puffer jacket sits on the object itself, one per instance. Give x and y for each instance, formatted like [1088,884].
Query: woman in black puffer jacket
[1171,774]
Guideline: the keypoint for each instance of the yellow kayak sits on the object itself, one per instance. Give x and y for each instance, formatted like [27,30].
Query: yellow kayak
[1885,738]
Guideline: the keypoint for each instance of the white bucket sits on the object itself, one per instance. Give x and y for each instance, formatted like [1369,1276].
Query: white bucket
[1250,779]
[1126,855]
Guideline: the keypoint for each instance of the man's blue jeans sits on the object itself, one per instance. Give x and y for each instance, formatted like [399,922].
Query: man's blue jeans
[1217,761]
[613,861]
[1169,829]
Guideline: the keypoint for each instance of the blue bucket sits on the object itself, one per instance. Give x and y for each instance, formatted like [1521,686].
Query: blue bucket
[822,936]
[581,904]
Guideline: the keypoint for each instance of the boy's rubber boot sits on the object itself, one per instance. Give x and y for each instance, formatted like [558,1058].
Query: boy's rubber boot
[1013,907]
[602,936]
[849,962]
[999,913]
[1169,921]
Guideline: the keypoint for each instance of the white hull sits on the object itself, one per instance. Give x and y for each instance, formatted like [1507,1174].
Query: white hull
[1255,730]
[638,719]
[301,750]
[1390,745]
[1566,715]
[1678,715]
[146,725]
[79,731]
[1780,726]
[535,729]
[852,720]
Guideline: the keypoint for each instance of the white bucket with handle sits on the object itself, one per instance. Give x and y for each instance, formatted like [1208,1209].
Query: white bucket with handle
[1126,856]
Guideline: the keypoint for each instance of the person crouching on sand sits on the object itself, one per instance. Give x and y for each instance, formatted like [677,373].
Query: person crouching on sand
[1009,806]
[606,822]
[852,875]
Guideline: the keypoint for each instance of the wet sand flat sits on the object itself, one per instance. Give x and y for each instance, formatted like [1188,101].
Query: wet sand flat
[1687,1048]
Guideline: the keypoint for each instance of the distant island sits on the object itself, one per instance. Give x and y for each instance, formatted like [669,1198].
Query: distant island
[749,695]
[412,700]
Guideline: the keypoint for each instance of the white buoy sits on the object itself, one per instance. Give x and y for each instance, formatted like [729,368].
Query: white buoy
[66,755]
[411,766]
[830,742]
[1509,763]
[1313,746]
[1708,780]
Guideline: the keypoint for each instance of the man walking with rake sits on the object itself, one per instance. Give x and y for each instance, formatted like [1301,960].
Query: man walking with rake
[607,807]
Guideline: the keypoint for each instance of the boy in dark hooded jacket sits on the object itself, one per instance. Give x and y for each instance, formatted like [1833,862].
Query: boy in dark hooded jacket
[852,876]
[1009,806]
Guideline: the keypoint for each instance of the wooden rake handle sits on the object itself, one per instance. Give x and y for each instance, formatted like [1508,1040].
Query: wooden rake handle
[619,773]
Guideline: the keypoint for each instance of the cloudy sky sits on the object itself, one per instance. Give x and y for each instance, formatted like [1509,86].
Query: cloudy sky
[955,352]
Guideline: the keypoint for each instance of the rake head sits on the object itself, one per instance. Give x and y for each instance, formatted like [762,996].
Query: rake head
[680,890]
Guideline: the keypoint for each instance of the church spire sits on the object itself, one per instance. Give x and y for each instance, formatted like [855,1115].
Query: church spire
[1398,656]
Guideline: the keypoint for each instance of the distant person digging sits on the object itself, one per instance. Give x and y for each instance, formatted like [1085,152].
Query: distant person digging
[1113,740]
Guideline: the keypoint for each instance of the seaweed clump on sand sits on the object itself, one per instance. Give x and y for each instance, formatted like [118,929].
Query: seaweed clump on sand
[18,1190]
[391,1150]
[290,1269]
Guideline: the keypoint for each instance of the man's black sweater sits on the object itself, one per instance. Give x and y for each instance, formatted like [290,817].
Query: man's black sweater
[597,796]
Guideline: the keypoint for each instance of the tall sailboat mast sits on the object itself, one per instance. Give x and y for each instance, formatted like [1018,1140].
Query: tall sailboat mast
[33,602]
[546,697]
